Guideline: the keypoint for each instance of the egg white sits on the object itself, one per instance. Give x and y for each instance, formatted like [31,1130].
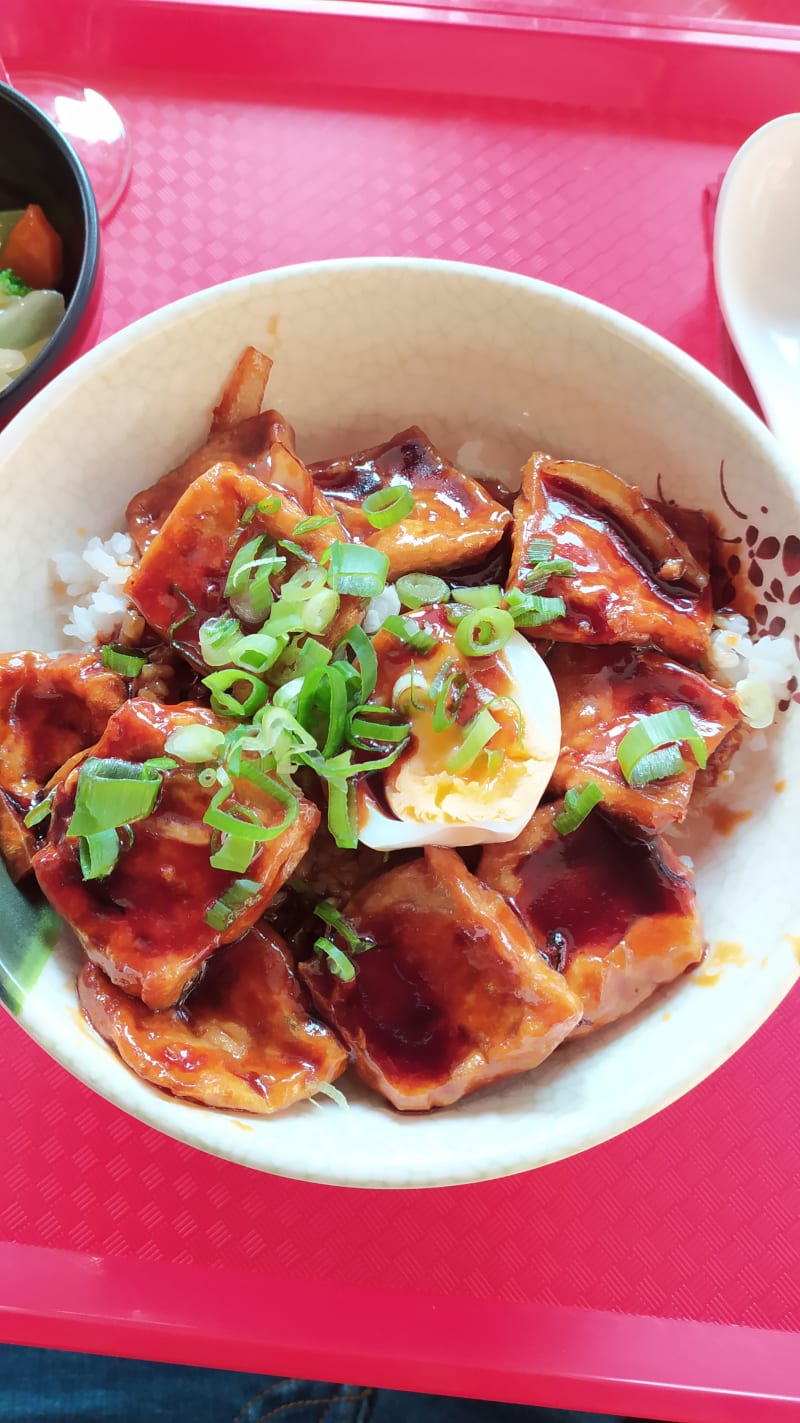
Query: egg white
[435,807]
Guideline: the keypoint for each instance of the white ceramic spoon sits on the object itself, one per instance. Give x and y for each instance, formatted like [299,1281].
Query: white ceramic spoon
[757,269]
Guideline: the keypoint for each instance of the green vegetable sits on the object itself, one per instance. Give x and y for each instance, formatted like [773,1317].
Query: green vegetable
[388,506]
[484,632]
[12,285]
[111,793]
[416,590]
[357,569]
[578,802]
[647,753]
[477,734]
[118,659]
[409,632]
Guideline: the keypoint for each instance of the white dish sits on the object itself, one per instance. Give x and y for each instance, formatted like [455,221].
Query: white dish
[492,364]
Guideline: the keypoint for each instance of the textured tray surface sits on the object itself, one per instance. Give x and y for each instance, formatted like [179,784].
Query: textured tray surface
[695,1215]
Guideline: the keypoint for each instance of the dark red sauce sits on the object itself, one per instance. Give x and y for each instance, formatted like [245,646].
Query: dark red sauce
[406,1031]
[585,890]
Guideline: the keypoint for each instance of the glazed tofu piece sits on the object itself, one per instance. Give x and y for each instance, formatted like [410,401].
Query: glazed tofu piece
[181,579]
[453,521]
[145,923]
[243,1039]
[641,568]
[248,446]
[615,913]
[602,692]
[454,994]
[51,708]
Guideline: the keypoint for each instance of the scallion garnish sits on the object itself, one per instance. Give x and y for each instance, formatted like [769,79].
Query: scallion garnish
[343,813]
[98,854]
[319,612]
[40,811]
[485,595]
[448,700]
[303,584]
[111,793]
[161,763]
[333,917]
[650,750]
[388,506]
[222,686]
[419,590]
[322,706]
[237,897]
[361,647]
[541,572]
[293,547]
[338,962]
[530,610]
[317,521]
[578,802]
[195,743]
[409,632]
[477,734]
[218,636]
[119,659]
[484,632]
[370,725]
[233,854]
[258,651]
[357,569]
[248,586]
[242,822]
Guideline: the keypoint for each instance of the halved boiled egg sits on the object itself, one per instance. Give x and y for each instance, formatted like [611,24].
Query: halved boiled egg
[467,782]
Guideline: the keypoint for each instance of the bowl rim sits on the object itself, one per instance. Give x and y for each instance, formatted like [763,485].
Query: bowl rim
[187,1126]
[21,390]
[634,332]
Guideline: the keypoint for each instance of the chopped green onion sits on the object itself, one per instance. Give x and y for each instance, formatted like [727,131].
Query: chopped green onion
[657,766]
[111,793]
[237,897]
[270,504]
[542,572]
[245,824]
[40,811]
[322,706]
[303,584]
[343,813]
[578,802]
[417,590]
[407,688]
[538,550]
[177,623]
[333,917]
[648,735]
[484,632]
[258,651]
[529,610]
[286,617]
[409,632]
[357,569]
[161,763]
[248,586]
[195,743]
[300,657]
[477,734]
[297,549]
[360,645]
[207,777]
[327,1089]
[218,636]
[225,702]
[317,521]
[338,962]
[388,506]
[234,854]
[98,853]
[320,611]
[494,760]
[118,659]
[486,595]
[445,710]
[369,724]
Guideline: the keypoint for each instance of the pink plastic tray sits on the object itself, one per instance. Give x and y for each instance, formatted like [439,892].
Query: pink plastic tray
[659,1274]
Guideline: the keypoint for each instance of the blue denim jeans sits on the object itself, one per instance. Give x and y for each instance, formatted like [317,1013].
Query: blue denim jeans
[43,1386]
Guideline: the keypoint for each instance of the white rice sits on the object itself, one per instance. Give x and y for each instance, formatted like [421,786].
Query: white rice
[95,582]
[758,670]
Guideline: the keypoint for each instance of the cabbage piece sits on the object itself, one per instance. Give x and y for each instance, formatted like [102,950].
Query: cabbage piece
[30,319]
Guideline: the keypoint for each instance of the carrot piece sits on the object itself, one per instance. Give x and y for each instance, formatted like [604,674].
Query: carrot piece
[33,250]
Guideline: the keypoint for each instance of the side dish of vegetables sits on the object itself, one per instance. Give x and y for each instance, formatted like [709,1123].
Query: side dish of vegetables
[375,768]
[31,269]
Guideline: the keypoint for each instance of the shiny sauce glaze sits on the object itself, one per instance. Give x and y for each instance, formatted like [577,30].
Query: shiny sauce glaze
[50,709]
[585,890]
[615,594]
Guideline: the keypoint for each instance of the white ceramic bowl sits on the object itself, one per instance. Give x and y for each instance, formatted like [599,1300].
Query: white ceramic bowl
[363,348]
